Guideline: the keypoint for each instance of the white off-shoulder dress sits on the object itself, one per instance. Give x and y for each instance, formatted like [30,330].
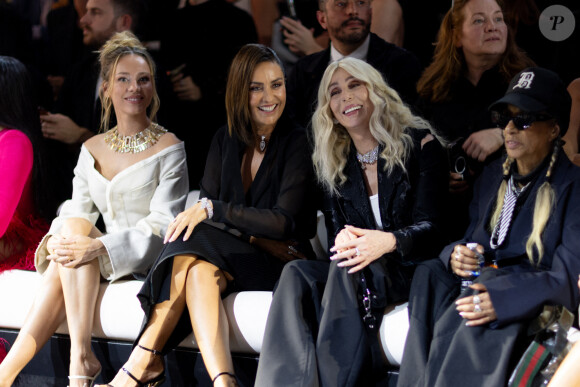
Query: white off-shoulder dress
[136,205]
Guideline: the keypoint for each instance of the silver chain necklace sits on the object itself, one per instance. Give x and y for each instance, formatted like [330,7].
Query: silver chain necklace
[370,157]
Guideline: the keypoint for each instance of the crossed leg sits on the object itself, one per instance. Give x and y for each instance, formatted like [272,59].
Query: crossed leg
[80,287]
[198,284]
[142,364]
[205,283]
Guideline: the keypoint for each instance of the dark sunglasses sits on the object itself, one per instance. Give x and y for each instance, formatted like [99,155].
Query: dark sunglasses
[521,121]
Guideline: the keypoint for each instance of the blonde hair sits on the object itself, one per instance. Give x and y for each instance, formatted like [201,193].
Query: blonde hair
[545,200]
[122,44]
[388,123]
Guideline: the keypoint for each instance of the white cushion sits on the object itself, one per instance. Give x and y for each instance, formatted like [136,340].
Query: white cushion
[119,315]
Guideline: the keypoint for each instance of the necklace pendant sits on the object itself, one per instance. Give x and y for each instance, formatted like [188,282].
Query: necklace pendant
[362,166]
[263,144]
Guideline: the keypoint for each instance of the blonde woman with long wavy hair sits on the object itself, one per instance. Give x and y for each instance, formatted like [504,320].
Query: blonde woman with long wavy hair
[383,172]
[520,251]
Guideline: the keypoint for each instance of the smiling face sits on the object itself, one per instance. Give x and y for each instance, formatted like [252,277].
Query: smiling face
[483,32]
[267,97]
[131,86]
[530,146]
[349,101]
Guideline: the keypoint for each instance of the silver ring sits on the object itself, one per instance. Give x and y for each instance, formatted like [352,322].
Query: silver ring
[457,256]
[477,308]
[292,249]
[476,299]
[357,251]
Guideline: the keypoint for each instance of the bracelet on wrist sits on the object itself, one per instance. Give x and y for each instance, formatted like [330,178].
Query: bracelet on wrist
[207,207]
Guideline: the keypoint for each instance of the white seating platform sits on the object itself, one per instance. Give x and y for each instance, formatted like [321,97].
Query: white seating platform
[119,315]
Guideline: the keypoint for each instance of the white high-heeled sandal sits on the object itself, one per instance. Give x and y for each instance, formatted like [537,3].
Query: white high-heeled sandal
[91,379]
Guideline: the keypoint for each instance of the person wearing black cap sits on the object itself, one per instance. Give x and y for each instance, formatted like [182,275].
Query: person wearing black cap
[524,222]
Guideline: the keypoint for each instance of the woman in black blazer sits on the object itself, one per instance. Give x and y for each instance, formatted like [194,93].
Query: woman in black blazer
[383,179]
[525,220]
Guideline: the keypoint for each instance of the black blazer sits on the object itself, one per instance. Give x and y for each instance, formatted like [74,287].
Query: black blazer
[279,204]
[400,68]
[522,292]
[410,206]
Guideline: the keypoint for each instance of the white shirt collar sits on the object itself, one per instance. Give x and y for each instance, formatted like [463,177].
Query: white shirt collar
[359,53]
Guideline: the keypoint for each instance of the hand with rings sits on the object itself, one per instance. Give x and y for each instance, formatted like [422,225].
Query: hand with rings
[464,260]
[477,309]
[358,247]
[292,250]
[74,250]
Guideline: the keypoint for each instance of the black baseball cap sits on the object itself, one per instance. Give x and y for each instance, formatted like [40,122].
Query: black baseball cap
[536,90]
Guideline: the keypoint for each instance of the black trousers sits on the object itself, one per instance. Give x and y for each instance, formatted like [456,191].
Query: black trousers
[314,333]
[441,350]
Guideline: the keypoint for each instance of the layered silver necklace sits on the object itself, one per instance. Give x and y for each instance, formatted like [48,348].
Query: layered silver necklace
[370,157]
[137,142]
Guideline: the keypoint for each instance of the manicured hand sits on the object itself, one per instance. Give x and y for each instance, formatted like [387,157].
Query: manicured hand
[73,250]
[188,219]
[464,259]
[478,309]
[368,246]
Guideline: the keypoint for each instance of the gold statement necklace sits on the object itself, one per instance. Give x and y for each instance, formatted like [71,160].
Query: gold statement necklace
[135,143]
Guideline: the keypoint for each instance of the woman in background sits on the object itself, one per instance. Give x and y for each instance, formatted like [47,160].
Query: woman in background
[475,58]
[24,199]
[134,175]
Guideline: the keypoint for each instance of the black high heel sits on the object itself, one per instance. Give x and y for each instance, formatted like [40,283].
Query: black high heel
[156,381]
[225,373]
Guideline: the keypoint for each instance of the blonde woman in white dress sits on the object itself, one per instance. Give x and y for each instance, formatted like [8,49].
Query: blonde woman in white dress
[133,175]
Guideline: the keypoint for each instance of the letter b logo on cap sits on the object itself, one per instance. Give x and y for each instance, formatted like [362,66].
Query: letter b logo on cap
[525,81]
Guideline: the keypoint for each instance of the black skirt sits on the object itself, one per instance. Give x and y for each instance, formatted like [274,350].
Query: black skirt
[250,267]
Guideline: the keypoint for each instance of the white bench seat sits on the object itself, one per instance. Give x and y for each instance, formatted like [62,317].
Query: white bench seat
[119,315]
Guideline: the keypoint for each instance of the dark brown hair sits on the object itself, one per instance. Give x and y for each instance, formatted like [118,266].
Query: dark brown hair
[238,88]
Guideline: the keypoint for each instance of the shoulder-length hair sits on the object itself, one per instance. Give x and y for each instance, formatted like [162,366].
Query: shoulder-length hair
[449,62]
[388,123]
[19,110]
[238,88]
[122,44]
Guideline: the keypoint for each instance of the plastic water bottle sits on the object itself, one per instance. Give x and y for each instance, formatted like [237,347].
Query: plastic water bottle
[467,281]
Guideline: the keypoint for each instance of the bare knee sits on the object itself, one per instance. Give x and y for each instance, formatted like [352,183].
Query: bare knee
[79,226]
[204,274]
